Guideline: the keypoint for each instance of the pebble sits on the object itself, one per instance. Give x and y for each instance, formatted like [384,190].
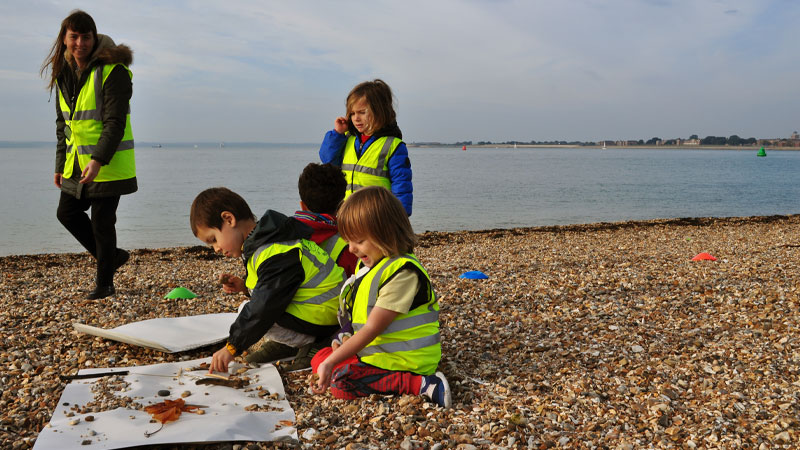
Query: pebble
[309,434]
[783,438]
[549,336]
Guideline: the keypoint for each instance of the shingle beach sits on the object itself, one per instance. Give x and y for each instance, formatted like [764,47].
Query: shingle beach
[586,336]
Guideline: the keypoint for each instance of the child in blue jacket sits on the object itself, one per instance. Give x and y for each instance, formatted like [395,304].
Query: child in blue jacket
[367,144]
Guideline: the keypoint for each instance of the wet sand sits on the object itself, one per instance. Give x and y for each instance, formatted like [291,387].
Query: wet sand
[586,336]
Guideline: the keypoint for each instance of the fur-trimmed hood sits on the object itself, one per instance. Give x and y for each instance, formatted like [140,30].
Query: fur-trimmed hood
[106,52]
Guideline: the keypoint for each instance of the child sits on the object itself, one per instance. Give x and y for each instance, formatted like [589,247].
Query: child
[322,189]
[367,143]
[390,307]
[292,283]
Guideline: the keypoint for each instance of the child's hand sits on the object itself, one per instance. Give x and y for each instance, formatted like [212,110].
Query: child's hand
[340,125]
[324,372]
[231,284]
[220,361]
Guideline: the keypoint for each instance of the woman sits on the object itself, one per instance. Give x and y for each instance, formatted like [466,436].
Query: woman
[94,152]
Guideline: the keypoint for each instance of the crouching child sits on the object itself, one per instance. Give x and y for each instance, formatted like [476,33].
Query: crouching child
[293,284]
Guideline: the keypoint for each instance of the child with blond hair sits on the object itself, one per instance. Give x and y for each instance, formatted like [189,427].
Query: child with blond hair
[389,342]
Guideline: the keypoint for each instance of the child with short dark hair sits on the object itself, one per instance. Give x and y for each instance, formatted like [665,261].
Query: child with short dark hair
[321,188]
[292,283]
[367,143]
[389,342]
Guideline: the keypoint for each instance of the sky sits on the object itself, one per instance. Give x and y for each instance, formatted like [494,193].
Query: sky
[460,70]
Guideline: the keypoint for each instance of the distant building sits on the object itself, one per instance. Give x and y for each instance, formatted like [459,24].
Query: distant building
[795,143]
[780,143]
[794,140]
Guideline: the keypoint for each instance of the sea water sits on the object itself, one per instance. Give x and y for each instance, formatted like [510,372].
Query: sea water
[480,188]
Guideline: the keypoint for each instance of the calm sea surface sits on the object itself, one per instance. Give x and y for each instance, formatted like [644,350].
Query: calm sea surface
[453,189]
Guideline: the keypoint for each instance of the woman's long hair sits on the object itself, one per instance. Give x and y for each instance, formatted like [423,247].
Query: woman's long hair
[78,21]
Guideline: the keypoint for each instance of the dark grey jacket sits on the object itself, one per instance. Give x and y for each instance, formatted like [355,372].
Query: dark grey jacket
[117,92]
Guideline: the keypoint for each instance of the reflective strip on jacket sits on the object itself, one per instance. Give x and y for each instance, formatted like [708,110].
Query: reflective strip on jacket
[372,168]
[84,126]
[316,301]
[411,342]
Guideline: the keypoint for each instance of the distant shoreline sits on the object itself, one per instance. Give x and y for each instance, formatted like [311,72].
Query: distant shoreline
[618,147]
[167,145]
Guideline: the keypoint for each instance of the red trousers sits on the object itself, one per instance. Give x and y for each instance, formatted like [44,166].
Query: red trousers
[352,378]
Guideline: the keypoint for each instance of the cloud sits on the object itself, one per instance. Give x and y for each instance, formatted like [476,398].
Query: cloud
[477,70]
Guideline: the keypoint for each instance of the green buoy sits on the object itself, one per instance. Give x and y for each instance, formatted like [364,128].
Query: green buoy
[761,152]
[180,292]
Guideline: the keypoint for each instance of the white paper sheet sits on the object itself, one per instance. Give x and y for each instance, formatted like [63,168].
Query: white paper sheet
[170,335]
[225,418]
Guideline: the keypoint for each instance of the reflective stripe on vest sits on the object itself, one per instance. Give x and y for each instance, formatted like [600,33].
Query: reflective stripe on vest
[334,246]
[402,346]
[372,167]
[84,126]
[412,341]
[316,300]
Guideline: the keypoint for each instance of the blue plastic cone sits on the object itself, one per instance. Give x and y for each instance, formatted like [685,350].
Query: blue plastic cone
[474,275]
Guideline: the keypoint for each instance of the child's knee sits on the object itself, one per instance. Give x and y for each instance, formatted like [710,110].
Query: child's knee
[321,356]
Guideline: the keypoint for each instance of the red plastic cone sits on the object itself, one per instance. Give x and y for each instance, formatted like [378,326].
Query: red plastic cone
[703,256]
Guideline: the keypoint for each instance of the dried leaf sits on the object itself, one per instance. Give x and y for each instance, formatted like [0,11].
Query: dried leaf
[169,410]
[201,366]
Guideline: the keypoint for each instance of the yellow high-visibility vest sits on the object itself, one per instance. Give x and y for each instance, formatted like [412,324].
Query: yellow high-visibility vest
[316,301]
[372,168]
[334,245]
[85,125]
[411,342]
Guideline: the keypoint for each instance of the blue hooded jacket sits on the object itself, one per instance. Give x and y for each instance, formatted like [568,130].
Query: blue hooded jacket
[332,151]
